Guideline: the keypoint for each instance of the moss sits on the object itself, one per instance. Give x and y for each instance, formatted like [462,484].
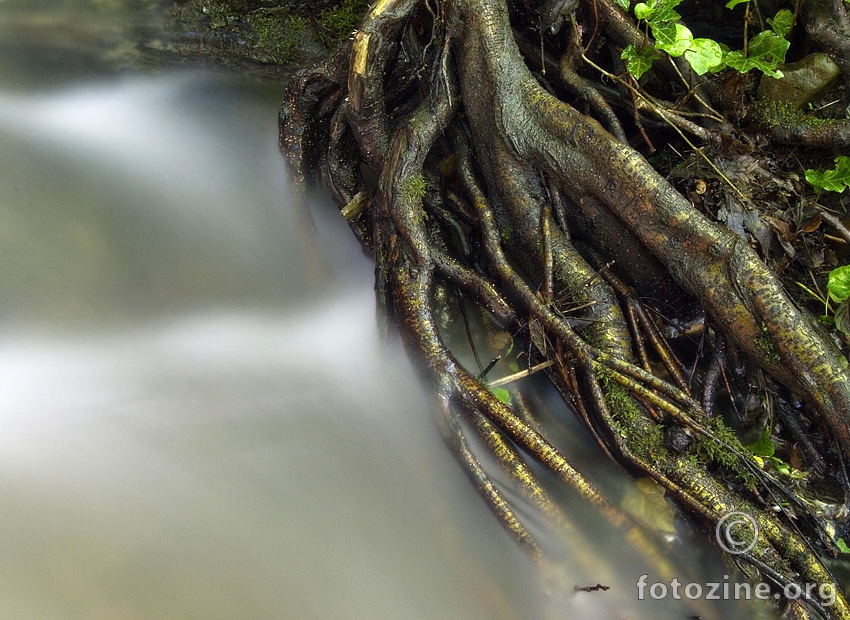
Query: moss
[646,440]
[234,34]
[413,189]
[644,437]
[342,20]
[784,113]
[765,343]
[717,450]
[278,36]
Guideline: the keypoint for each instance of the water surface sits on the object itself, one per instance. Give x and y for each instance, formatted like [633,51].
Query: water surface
[199,418]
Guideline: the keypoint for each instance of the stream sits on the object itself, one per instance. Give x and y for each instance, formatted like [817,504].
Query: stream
[199,418]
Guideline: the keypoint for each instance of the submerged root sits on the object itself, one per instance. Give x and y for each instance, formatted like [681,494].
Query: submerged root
[475,175]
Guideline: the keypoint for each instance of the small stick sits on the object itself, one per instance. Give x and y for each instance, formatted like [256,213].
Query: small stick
[548,260]
[833,221]
[521,374]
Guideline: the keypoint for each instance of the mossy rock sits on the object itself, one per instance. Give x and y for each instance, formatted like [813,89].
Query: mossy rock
[802,82]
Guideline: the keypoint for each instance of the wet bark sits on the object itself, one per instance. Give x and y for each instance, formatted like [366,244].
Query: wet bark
[484,174]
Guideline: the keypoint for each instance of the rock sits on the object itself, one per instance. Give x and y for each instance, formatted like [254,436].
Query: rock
[803,82]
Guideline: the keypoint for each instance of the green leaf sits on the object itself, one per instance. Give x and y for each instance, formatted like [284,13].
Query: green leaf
[781,466]
[768,47]
[835,180]
[502,394]
[763,446]
[704,55]
[842,546]
[733,3]
[664,34]
[839,284]
[644,10]
[819,180]
[624,4]
[682,40]
[782,22]
[766,50]
[639,62]
[664,11]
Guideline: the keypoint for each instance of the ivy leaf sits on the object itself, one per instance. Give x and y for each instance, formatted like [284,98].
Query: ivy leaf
[638,62]
[766,50]
[704,55]
[768,47]
[835,180]
[502,394]
[737,60]
[644,10]
[680,41]
[763,446]
[819,180]
[664,34]
[839,284]
[664,11]
[781,23]
[733,3]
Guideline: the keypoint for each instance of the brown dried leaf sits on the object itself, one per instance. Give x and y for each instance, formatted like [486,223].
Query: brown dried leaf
[812,225]
[780,227]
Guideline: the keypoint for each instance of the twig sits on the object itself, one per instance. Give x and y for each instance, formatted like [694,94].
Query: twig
[833,221]
[521,374]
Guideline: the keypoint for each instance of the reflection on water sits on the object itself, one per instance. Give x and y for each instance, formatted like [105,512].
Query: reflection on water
[199,419]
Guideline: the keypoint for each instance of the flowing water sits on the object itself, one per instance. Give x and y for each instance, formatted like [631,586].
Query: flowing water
[198,417]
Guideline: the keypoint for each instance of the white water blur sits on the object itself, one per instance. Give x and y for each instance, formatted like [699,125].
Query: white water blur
[183,437]
[198,417]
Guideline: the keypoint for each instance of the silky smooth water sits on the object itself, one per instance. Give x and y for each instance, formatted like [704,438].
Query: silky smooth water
[199,419]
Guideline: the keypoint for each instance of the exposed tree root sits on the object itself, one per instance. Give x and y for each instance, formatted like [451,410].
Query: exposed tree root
[479,175]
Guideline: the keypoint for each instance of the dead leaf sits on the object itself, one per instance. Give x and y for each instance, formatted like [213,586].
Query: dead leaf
[812,225]
[780,227]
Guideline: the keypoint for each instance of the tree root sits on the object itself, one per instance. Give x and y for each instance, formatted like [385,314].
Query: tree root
[479,172]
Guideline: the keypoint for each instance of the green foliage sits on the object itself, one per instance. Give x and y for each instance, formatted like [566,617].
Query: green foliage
[763,446]
[835,180]
[638,62]
[502,394]
[839,283]
[413,189]
[782,23]
[838,290]
[342,20]
[721,448]
[764,51]
[703,55]
[839,542]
